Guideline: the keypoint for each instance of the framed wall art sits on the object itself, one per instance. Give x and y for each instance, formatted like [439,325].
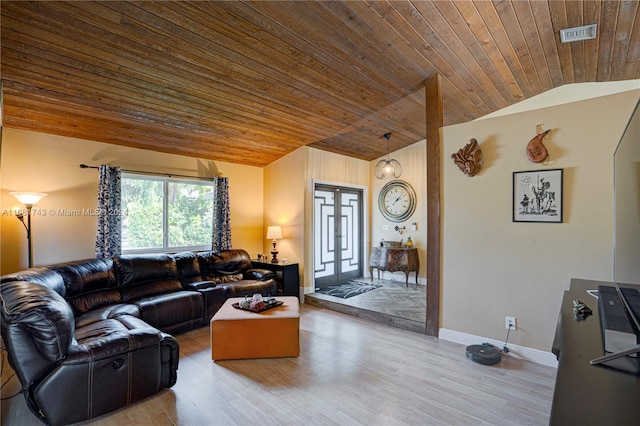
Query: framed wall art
[537,196]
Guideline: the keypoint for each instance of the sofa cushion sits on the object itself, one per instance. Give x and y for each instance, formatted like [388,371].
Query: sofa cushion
[106,312]
[169,309]
[207,261]
[90,301]
[188,267]
[134,269]
[115,336]
[89,284]
[222,279]
[146,275]
[230,264]
[135,292]
[43,276]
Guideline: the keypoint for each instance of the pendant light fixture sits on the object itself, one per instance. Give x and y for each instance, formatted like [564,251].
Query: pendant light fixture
[388,168]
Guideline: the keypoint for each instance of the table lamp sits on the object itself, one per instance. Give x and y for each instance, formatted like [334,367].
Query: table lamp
[274,233]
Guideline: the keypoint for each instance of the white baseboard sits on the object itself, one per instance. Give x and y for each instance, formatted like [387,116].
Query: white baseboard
[516,351]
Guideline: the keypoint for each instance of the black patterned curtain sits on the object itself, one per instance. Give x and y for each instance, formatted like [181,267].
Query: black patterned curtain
[221,238]
[108,238]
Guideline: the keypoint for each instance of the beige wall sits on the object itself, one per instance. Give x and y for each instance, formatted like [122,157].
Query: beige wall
[47,163]
[284,186]
[413,160]
[492,267]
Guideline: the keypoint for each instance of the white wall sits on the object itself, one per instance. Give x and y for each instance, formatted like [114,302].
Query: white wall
[47,163]
[413,160]
[493,267]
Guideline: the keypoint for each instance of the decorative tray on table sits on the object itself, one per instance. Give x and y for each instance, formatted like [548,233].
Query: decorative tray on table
[269,303]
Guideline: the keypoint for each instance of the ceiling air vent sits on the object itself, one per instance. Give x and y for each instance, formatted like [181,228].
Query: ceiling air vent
[578,33]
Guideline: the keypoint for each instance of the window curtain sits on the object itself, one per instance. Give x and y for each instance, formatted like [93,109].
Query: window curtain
[108,238]
[221,238]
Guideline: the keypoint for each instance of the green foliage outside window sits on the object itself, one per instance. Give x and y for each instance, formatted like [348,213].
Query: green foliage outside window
[187,205]
[190,214]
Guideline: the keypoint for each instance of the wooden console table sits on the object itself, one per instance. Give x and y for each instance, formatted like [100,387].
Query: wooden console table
[394,259]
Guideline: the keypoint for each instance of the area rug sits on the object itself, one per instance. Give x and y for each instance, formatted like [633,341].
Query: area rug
[348,289]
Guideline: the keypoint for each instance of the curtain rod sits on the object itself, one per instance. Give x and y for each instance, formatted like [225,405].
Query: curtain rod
[84,166]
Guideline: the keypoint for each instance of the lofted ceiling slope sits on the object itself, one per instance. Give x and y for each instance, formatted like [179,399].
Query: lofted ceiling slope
[249,82]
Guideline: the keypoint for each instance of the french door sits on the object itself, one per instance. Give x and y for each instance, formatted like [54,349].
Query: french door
[338,234]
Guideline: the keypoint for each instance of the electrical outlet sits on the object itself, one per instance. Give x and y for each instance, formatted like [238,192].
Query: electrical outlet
[510,321]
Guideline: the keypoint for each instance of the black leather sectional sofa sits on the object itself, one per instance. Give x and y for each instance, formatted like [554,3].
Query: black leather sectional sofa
[91,336]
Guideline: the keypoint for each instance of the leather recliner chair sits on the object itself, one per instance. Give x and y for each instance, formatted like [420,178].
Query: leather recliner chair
[115,361]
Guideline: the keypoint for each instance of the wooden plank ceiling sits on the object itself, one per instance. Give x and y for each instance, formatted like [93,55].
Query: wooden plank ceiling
[249,82]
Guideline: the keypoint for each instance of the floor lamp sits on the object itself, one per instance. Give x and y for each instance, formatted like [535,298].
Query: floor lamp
[29,199]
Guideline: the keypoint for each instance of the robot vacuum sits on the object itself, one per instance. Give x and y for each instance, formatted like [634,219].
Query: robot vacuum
[485,354]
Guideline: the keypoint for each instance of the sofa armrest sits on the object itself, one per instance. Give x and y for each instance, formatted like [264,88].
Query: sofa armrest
[200,285]
[213,296]
[37,328]
[169,356]
[41,315]
[259,274]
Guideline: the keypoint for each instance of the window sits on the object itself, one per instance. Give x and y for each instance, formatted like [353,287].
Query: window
[166,214]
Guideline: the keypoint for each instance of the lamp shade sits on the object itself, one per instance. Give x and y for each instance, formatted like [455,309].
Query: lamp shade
[274,233]
[28,198]
[388,167]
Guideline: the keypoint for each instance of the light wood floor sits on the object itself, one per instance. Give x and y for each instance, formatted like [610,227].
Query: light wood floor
[350,372]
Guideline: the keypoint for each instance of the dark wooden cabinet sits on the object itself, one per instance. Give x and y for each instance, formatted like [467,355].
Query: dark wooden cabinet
[588,394]
[395,259]
[287,276]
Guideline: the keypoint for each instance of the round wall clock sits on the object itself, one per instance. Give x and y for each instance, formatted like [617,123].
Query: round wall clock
[397,201]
